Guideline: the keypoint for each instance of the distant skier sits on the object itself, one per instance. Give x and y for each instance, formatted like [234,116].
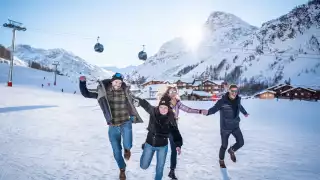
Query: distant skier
[162,124]
[176,105]
[117,106]
[42,85]
[229,106]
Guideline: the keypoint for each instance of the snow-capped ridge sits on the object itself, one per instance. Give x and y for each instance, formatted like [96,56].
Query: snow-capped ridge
[69,64]
[286,47]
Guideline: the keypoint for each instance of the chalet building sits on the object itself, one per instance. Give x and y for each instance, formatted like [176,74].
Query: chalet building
[273,87]
[299,93]
[279,89]
[5,53]
[153,83]
[267,94]
[194,84]
[316,96]
[194,95]
[200,85]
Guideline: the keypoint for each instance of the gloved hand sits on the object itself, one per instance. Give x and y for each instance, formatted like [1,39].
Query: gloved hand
[136,102]
[82,78]
[131,118]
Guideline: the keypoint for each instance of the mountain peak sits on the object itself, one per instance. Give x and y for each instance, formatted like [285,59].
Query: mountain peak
[223,28]
[219,19]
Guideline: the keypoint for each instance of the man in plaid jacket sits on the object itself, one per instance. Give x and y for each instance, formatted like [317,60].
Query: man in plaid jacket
[116,103]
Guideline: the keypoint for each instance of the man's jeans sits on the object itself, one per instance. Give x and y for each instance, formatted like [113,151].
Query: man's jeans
[115,133]
[147,156]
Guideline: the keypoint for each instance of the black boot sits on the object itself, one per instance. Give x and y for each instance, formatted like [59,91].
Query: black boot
[232,155]
[172,174]
[222,164]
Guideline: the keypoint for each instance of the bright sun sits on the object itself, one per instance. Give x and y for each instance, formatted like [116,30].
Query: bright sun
[192,37]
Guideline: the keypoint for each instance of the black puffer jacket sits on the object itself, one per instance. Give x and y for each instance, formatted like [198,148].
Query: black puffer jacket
[229,112]
[160,126]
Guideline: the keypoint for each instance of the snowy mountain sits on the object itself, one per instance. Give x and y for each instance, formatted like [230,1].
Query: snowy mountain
[232,49]
[124,70]
[70,65]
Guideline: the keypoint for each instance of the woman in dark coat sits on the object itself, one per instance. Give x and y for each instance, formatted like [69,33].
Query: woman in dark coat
[161,124]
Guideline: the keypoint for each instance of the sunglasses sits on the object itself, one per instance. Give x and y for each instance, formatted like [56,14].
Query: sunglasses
[118,75]
[234,91]
[172,91]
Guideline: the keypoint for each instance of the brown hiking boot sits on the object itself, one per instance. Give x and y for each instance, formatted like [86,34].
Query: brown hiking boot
[232,155]
[122,175]
[127,154]
[222,164]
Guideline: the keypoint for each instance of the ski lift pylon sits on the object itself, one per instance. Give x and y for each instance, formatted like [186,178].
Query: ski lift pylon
[142,54]
[98,47]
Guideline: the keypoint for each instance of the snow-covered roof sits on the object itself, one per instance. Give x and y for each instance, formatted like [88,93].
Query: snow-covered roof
[154,87]
[297,88]
[282,85]
[274,86]
[202,93]
[197,83]
[264,91]
[186,80]
[219,82]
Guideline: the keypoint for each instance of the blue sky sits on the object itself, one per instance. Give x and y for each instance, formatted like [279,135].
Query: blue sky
[123,25]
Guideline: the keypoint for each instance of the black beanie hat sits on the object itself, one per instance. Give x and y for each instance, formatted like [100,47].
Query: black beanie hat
[165,100]
[117,76]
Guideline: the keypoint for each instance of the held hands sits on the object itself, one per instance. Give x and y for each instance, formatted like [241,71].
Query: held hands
[204,111]
[178,150]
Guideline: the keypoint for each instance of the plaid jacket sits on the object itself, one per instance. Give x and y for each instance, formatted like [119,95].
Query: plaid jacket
[118,105]
[103,99]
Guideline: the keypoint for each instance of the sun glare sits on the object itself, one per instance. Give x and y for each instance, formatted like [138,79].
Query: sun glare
[192,37]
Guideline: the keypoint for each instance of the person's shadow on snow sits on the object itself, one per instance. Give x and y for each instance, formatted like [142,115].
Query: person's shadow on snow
[24,108]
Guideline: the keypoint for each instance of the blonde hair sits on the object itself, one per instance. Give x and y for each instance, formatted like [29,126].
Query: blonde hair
[165,90]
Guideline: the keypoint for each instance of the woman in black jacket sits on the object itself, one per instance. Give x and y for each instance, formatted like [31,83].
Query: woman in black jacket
[161,124]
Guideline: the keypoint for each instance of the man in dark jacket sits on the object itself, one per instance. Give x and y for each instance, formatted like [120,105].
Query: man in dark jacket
[117,106]
[230,107]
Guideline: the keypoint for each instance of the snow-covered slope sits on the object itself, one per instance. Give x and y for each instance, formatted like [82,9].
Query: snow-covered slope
[70,65]
[283,48]
[35,78]
[54,135]
[16,61]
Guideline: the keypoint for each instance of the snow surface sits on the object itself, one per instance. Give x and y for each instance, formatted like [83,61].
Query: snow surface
[51,135]
[47,134]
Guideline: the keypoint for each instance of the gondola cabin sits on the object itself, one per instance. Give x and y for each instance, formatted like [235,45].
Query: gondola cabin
[98,47]
[142,55]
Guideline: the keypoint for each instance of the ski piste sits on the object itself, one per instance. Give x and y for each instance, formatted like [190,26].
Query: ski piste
[225,174]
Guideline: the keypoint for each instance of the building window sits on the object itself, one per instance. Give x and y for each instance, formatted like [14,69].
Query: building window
[301,94]
[288,94]
[295,94]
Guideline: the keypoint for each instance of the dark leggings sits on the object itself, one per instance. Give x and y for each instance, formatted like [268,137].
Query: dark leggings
[224,141]
[173,159]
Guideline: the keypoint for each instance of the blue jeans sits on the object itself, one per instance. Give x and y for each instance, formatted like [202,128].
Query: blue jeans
[173,159]
[147,156]
[115,133]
